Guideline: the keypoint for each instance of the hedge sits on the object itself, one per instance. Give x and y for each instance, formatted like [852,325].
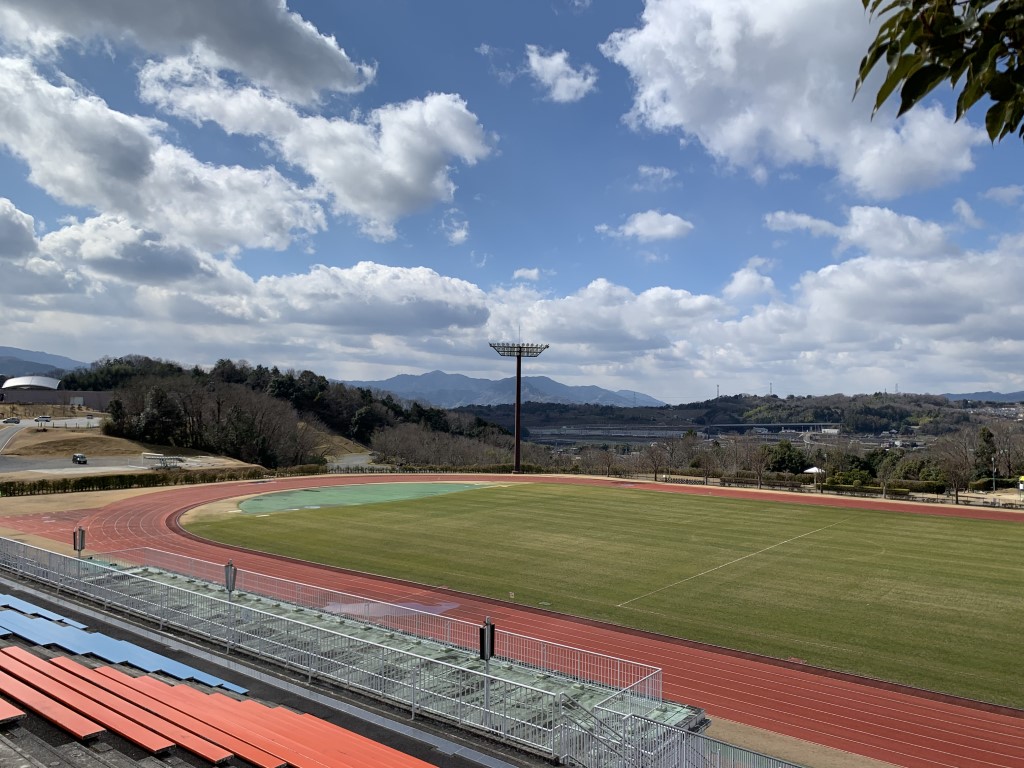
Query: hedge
[122,482]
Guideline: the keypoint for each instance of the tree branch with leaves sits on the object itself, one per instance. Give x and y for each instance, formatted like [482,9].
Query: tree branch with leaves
[975,45]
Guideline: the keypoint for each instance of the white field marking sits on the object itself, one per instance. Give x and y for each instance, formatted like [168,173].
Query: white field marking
[723,565]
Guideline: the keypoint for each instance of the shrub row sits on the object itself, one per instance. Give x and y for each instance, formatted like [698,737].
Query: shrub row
[122,482]
[865,490]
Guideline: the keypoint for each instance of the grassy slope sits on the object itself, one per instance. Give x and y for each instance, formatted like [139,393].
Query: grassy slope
[931,602]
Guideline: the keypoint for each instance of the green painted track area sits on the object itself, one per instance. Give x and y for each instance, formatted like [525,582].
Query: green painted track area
[350,496]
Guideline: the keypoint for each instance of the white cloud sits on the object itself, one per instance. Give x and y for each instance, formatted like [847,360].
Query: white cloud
[787,221]
[554,73]
[736,77]
[648,226]
[654,178]
[17,232]
[601,318]
[854,324]
[260,39]
[455,227]
[392,162]
[881,231]
[83,153]
[749,280]
[966,214]
[105,268]
[1008,195]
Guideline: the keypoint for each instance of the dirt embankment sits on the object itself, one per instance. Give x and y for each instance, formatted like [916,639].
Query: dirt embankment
[64,441]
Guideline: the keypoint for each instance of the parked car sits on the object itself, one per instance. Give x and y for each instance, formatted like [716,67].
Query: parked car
[79,458]
[12,420]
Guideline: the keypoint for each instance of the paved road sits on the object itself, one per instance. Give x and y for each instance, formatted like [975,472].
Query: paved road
[60,464]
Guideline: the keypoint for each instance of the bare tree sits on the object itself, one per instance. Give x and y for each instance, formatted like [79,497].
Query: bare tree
[1008,437]
[653,458]
[590,460]
[755,455]
[710,459]
[954,454]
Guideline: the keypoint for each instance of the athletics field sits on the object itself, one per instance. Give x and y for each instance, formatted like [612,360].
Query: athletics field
[933,602]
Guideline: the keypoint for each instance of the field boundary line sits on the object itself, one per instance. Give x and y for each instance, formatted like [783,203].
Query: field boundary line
[731,562]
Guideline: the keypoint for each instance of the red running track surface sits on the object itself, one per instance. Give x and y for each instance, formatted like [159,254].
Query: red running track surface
[895,724]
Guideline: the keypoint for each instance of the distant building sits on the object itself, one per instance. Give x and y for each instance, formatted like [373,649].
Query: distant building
[31,382]
[45,390]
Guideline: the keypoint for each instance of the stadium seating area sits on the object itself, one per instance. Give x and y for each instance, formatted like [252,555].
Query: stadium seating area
[151,703]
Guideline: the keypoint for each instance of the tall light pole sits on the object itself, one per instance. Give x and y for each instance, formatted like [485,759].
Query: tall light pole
[518,350]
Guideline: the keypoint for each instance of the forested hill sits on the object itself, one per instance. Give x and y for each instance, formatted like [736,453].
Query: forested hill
[277,418]
[930,414]
[254,413]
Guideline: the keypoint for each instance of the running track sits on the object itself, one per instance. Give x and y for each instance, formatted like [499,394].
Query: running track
[894,724]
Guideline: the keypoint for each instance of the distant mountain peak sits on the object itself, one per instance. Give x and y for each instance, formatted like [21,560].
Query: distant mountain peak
[26,362]
[452,390]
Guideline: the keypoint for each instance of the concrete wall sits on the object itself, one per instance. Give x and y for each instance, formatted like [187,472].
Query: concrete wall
[97,401]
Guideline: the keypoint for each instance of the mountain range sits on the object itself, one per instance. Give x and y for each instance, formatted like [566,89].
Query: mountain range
[989,397]
[27,362]
[447,390]
[452,390]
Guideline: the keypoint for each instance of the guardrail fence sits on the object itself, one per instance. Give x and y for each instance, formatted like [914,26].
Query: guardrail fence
[546,723]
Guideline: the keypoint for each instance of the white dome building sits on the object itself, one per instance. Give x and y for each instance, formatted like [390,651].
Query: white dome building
[31,382]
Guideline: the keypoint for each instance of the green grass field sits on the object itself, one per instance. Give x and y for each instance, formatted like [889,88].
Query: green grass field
[928,601]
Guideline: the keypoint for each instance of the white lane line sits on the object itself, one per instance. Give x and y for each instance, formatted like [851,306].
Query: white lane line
[731,562]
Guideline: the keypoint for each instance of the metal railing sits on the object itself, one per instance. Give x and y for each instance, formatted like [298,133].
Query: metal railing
[643,680]
[549,724]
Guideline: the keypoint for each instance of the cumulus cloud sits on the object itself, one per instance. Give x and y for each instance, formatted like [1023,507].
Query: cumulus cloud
[854,324]
[532,274]
[82,152]
[560,81]
[749,280]
[274,47]
[386,165]
[735,77]
[455,227]
[965,213]
[17,232]
[880,231]
[104,267]
[601,316]
[1008,195]
[649,226]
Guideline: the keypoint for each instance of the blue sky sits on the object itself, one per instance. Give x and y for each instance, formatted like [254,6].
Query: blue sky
[679,196]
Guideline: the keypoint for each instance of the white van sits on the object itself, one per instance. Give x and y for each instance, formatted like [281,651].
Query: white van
[44,419]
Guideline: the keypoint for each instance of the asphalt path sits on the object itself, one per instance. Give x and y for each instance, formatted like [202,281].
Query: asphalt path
[61,464]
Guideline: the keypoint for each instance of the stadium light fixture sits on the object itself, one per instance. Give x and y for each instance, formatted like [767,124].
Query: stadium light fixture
[518,350]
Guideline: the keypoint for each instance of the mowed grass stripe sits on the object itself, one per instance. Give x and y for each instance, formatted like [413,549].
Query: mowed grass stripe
[928,601]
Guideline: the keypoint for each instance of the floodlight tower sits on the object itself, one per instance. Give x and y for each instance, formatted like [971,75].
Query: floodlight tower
[518,350]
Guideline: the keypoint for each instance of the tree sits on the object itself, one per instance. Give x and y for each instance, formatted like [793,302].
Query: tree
[954,454]
[654,459]
[928,42]
[887,469]
[785,457]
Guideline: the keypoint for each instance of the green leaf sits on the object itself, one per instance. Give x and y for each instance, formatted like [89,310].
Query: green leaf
[896,75]
[994,120]
[1001,87]
[921,83]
